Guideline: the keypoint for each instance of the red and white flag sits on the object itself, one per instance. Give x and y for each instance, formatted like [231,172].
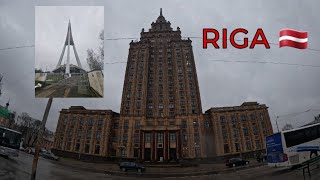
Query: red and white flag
[293,38]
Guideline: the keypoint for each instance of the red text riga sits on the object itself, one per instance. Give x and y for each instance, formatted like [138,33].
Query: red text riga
[258,39]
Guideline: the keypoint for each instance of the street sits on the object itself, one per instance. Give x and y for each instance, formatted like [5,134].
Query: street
[20,168]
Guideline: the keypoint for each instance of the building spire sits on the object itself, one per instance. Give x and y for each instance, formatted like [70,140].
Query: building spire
[160,11]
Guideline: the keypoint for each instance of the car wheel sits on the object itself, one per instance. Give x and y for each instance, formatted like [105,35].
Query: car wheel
[123,169]
[233,165]
[139,170]
[247,162]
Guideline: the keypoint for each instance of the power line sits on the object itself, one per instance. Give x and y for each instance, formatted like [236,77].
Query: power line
[16,47]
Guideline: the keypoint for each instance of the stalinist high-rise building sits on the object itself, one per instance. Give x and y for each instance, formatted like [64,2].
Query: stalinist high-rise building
[161,118]
[161,106]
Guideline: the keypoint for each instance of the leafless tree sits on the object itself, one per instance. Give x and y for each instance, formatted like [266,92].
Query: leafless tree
[95,60]
[29,128]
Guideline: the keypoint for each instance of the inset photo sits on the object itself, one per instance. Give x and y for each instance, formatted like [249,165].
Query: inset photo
[69,51]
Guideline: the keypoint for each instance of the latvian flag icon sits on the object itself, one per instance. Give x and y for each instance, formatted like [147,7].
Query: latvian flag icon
[293,38]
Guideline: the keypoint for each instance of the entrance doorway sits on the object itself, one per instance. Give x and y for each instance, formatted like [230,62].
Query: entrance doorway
[173,154]
[147,154]
[159,154]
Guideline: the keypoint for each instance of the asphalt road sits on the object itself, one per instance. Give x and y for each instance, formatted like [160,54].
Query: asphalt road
[19,168]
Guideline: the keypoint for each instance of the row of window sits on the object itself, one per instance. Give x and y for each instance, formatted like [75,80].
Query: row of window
[248,147]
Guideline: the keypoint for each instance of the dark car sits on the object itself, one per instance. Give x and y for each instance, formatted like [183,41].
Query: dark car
[49,155]
[236,162]
[126,166]
[262,158]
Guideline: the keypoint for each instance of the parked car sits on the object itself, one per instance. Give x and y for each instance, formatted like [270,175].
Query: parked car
[236,162]
[30,150]
[262,158]
[125,166]
[49,155]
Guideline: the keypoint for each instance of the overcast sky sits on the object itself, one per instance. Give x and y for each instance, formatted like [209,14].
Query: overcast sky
[284,89]
[51,24]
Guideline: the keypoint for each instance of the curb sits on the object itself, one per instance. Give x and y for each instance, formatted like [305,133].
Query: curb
[156,175]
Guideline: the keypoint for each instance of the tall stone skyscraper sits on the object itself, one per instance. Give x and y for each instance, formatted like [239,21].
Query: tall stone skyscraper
[161,106]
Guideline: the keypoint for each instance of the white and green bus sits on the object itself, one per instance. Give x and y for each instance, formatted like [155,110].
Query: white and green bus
[293,147]
[9,142]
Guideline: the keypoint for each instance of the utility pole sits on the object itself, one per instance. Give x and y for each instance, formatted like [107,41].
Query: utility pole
[39,140]
[1,76]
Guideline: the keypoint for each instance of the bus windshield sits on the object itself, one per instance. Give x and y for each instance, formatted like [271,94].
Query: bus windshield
[9,138]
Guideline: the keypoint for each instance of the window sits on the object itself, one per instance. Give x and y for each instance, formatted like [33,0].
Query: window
[77,148]
[97,149]
[226,148]
[243,117]
[160,137]
[98,135]
[237,147]
[115,125]
[233,119]
[172,137]
[235,133]
[172,123]
[126,126]
[184,124]
[245,131]
[206,124]
[222,119]
[89,132]
[147,137]
[136,152]
[137,124]
[303,135]
[185,136]
[258,145]
[125,138]
[136,138]
[86,149]
[255,130]
[225,134]
[90,122]
[100,122]
[253,117]
[248,145]
[114,139]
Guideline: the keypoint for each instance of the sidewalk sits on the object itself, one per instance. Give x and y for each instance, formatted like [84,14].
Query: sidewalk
[113,169]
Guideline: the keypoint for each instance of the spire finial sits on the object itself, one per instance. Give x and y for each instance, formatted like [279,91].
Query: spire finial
[160,11]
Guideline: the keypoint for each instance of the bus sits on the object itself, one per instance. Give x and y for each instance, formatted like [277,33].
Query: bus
[9,142]
[293,147]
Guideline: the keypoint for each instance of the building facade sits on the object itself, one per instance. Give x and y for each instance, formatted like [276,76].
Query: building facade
[160,93]
[237,130]
[82,132]
[161,116]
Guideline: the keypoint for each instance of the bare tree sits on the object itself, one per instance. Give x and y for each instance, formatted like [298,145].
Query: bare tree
[29,128]
[95,60]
